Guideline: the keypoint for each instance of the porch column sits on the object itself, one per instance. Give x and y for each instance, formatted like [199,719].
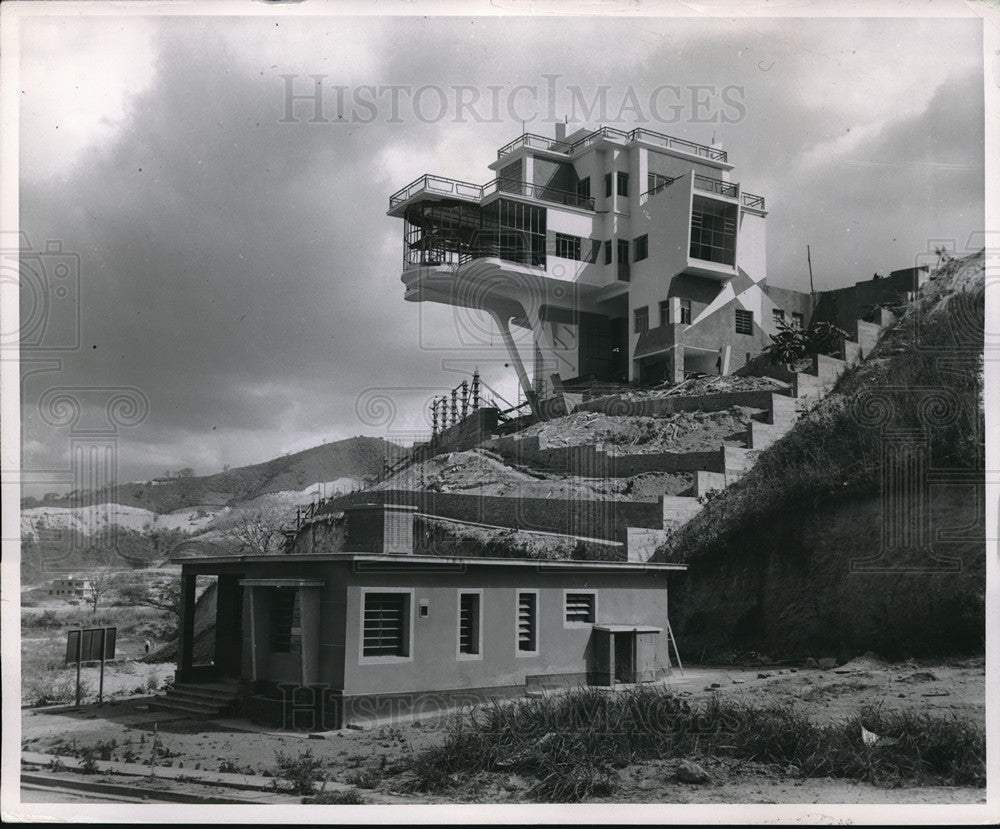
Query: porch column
[677,365]
[185,657]
[309,623]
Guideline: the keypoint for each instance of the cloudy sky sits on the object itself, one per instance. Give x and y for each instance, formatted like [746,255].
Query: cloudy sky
[233,260]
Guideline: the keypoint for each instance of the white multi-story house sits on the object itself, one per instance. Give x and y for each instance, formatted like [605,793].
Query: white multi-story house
[631,256]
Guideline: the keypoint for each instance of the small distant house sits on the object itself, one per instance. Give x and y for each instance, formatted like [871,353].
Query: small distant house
[71,587]
[376,630]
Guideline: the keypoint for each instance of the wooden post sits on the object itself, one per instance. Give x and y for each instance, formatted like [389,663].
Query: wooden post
[104,641]
[79,656]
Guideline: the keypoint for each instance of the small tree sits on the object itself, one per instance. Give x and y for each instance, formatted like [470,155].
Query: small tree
[258,531]
[100,584]
[792,344]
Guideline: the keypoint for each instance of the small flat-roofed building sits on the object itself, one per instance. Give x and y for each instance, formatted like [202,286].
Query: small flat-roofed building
[338,637]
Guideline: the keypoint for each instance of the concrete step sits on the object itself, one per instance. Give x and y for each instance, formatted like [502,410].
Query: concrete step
[762,435]
[194,709]
[200,699]
[210,691]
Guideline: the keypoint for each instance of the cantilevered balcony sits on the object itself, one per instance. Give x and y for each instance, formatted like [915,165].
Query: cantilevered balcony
[656,139]
[437,186]
[726,189]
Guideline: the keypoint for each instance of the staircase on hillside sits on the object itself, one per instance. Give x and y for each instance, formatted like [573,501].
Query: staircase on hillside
[199,699]
[805,389]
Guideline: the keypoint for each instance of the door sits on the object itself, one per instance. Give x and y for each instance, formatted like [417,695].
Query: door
[625,657]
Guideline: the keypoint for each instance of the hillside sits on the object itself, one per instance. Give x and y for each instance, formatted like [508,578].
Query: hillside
[353,460]
[823,547]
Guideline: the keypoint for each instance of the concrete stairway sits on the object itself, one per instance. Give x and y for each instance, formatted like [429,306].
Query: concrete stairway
[199,699]
[806,388]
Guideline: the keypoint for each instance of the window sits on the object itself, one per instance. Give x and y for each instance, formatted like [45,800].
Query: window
[744,321]
[664,311]
[622,184]
[581,608]
[778,317]
[608,252]
[624,274]
[641,319]
[568,247]
[527,623]
[286,621]
[469,624]
[607,186]
[641,248]
[685,312]
[386,625]
[796,320]
[713,231]
[583,189]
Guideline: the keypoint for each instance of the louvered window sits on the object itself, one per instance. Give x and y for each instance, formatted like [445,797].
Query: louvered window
[386,618]
[527,622]
[580,608]
[468,623]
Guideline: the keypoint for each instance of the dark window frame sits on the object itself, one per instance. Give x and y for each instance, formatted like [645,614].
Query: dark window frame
[685,312]
[568,246]
[640,314]
[744,321]
[621,184]
[640,248]
[383,612]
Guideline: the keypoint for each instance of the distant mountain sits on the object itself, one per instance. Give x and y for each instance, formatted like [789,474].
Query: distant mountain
[346,462]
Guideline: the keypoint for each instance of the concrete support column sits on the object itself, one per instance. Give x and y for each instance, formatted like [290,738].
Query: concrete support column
[503,325]
[309,622]
[248,668]
[677,364]
[186,654]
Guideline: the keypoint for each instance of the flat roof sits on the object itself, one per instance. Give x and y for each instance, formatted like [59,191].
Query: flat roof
[381,558]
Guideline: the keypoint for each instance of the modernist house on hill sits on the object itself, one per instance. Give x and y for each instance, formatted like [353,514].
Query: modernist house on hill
[629,255]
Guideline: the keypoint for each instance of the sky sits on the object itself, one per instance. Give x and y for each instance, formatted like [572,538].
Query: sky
[230,280]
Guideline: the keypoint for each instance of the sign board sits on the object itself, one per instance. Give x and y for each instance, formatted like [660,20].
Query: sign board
[89,642]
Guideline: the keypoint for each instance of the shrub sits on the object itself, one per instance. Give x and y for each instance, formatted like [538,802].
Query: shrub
[571,745]
[300,772]
[348,798]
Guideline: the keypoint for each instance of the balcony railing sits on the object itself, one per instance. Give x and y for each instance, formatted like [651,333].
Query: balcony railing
[437,184]
[670,142]
[712,185]
[476,192]
[753,201]
[438,255]
[535,142]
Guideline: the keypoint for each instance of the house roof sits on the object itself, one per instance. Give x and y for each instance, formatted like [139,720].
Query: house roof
[410,560]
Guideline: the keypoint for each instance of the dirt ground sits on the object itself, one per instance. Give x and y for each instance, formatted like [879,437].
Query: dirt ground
[681,432]
[482,473]
[375,760]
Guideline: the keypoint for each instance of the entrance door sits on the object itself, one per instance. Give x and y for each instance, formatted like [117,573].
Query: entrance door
[624,657]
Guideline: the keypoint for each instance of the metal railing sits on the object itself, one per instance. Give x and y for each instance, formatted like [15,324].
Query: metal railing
[437,184]
[753,201]
[476,192]
[712,185]
[539,142]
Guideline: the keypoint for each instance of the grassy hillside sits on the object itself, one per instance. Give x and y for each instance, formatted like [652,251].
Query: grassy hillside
[359,457]
[776,561]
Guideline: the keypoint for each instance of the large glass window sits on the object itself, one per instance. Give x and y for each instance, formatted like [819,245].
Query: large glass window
[567,247]
[641,245]
[622,184]
[713,231]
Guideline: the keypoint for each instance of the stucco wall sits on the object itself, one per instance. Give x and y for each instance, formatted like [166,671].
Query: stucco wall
[434,664]
[594,519]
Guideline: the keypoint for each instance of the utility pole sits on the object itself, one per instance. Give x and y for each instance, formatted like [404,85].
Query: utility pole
[812,289]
